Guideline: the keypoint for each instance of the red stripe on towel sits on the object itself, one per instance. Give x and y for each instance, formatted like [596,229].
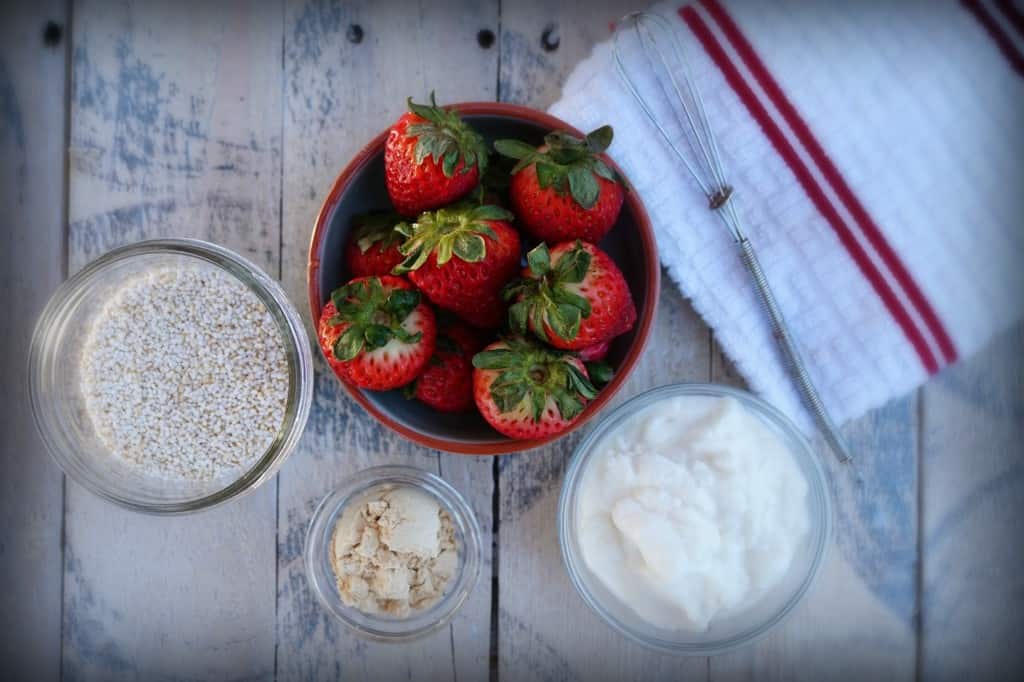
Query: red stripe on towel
[833,177]
[997,34]
[810,186]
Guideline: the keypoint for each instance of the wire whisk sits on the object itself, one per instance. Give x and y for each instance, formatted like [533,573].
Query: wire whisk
[669,75]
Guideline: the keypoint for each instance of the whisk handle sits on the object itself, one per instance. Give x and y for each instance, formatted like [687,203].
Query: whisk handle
[790,353]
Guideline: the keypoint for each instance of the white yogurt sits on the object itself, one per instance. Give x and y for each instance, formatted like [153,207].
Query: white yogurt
[691,508]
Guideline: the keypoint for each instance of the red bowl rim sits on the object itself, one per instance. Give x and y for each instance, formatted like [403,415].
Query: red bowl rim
[645,319]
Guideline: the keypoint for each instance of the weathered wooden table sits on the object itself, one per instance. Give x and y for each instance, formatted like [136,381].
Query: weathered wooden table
[227,121]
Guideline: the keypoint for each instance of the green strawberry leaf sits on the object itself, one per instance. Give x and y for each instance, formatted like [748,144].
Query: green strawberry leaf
[432,112]
[564,145]
[566,321]
[446,139]
[514,288]
[568,405]
[537,322]
[600,139]
[376,335]
[550,175]
[583,186]
[536,374]
[469,247]
[457,230]
[514,149]
[451,159]
[601,168]
[569,163]
[445,250]
[413,261]
[539,260]
[376,289]
[579,382]
[405,337]
[563,296]
[538,401]
[401,302]
[348,345]
[517,317]
[493,359]
[508,392]
[600,372]
[573,265]
[374,316]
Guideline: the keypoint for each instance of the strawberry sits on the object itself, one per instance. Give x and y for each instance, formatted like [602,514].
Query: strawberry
[447,383]
[460,257]
[564,189]
[372,249]
[377,333]
[595,353]
[527,391]
[573,297]
[431,158]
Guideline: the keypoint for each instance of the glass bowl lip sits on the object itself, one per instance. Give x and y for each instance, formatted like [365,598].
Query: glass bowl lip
[817,483]
[267,289]
[470,557]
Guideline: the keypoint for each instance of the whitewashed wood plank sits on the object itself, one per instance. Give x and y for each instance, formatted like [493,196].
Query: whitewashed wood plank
[972,474]
[544,629]
[32,135]
[175,131]
[349,69]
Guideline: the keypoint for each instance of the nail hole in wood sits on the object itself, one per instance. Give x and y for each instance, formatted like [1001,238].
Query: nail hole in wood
[52,33]
[354,34]
[550,39]
[485,38]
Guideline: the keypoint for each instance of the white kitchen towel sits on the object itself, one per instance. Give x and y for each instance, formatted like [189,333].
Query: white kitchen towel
[877,154]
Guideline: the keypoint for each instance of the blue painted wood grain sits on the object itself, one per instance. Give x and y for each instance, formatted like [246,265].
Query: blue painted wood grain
[173,133]
[338,95]
[32,97]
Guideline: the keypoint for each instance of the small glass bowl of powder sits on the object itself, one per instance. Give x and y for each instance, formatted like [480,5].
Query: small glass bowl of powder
[170,376]
[393,553]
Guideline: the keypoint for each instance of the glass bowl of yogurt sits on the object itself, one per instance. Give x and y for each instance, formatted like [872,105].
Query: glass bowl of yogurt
[393,553]
[693,518]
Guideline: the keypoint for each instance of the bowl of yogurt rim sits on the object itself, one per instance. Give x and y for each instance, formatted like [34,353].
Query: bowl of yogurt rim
[693,518]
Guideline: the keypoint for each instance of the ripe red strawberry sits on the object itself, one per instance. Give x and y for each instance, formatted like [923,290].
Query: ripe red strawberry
[377,333]
[595,353]
[527,391]
[564,189]
[431,158]
[460,257]
[372,249]
[573,297]
[447,383]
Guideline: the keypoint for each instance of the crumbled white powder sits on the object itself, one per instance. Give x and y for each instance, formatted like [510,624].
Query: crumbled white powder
[393,552]
[184,374]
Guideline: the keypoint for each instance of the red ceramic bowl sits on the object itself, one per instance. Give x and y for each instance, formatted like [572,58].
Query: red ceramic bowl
[360,188]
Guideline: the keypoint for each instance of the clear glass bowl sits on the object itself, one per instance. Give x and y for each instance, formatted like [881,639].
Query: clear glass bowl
[318,553]
[734,629]
[57,403]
